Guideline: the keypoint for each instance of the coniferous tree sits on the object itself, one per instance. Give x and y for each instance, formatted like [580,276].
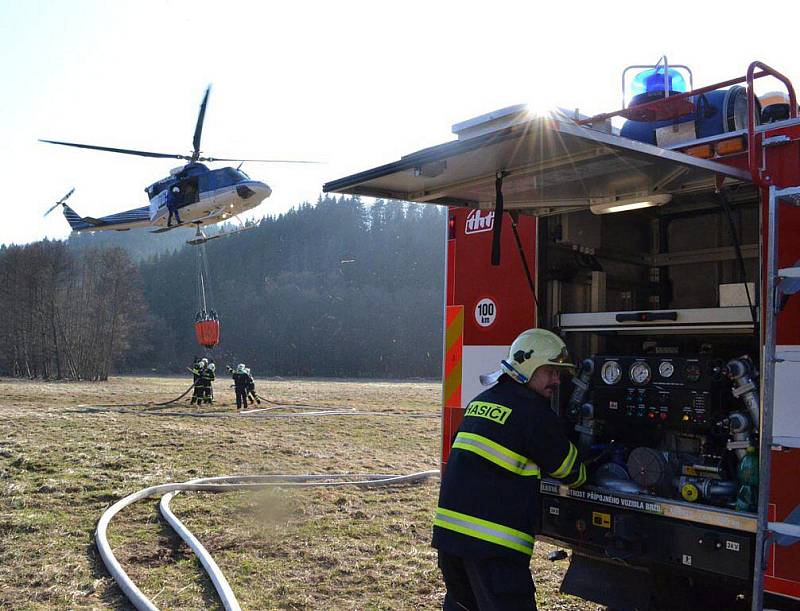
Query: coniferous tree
[338,288]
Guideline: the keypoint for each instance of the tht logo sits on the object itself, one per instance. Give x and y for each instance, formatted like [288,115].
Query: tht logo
[478,221]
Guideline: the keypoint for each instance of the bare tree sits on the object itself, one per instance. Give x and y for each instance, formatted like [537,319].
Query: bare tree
[66,316]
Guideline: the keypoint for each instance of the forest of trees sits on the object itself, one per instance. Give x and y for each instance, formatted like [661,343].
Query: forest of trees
[67,316]
[333,289]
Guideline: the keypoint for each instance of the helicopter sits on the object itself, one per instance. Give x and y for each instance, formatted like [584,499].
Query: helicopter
[198,195]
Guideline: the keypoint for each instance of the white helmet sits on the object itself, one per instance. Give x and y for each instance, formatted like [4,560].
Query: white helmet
[204,362]
[529,351]
[241,368]
[212,367]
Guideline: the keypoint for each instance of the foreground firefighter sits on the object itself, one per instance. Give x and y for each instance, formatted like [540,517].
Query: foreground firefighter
[489,499]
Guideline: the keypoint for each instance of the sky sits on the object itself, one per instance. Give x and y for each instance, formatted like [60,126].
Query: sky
[352,84]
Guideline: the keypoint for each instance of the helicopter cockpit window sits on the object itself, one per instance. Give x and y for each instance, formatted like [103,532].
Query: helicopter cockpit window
[232,176]
[217,179]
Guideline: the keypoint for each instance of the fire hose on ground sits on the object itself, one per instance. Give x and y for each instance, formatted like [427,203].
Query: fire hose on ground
[264,412]
[301,410]
[227,484]
[222,484]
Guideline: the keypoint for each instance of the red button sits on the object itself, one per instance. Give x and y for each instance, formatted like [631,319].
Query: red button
[651,415]
[663,416]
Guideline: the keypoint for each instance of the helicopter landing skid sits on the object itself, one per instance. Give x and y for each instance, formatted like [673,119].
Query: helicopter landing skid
[167,228]
[202,238]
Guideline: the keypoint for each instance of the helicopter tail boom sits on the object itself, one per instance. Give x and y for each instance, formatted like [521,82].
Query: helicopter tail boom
[138,217]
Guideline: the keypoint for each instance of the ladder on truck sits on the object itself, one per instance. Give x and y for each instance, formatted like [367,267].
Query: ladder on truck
[766,530]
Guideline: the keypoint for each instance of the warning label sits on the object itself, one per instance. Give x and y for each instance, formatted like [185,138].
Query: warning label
[606,499]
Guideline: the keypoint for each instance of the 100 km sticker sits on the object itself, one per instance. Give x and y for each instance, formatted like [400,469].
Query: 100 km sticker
[485,312]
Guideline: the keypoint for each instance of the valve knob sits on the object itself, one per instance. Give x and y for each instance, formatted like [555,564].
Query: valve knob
[690,493]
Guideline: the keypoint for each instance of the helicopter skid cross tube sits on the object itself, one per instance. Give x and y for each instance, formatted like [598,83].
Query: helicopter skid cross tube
[202,238]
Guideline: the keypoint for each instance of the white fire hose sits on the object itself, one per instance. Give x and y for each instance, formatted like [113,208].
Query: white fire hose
[221,484]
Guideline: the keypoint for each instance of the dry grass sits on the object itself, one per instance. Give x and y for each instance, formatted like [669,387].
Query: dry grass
[61,466]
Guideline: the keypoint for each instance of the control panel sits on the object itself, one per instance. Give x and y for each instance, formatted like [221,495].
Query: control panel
[675,393]
[640,538]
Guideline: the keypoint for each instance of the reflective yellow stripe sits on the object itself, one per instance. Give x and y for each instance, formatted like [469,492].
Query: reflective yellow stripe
[581,478]
[494,452]
[568,463]
[484,530]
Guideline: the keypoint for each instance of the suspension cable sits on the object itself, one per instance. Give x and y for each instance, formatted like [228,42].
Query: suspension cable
[204,289]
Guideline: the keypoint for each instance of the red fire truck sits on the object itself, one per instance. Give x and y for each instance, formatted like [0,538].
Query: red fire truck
[665,251]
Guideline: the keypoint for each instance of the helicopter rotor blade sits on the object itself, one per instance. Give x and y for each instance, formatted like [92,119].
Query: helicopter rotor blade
[60,202]
[111,149]
[67,196]
[210,159]
[198,129]
[51,208]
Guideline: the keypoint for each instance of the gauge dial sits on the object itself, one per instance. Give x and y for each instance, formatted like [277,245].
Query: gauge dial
[666,369]
[611,372]
[640,373]
[692,372]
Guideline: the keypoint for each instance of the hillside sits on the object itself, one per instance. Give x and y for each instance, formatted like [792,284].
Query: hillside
[331,289]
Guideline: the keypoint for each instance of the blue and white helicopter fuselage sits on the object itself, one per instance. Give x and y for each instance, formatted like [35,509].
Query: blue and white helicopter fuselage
[192,193]
[202,197]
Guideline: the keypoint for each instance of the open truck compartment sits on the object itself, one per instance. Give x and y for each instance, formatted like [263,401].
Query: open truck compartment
[663,313]
[657,265]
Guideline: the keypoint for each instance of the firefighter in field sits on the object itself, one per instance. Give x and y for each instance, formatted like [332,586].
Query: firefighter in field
[489,501]
[240,378]
[208,377]
[197,375]
[251,388]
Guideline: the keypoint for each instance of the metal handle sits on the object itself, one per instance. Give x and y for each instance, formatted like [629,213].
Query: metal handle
[752,151]
[646,316]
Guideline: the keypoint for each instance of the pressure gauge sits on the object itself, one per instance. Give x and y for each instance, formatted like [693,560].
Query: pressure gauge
[611,372]
[666,369]
[640,373]
[693,372]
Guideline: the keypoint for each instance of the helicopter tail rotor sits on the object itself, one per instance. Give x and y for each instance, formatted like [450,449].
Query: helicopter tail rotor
[60,202]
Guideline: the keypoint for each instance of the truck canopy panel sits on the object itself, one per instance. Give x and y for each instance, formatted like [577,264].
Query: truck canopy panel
[550,164]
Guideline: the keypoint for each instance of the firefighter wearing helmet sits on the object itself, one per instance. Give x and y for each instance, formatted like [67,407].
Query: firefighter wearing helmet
[208,376]
[489,501]
[240,384]
[197,380]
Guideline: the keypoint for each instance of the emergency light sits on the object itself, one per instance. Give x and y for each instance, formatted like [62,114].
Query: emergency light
[652,81]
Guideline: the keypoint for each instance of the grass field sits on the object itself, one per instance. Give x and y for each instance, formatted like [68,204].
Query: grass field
[62,465]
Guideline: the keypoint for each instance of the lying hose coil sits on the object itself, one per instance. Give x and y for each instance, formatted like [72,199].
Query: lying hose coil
[221,484]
